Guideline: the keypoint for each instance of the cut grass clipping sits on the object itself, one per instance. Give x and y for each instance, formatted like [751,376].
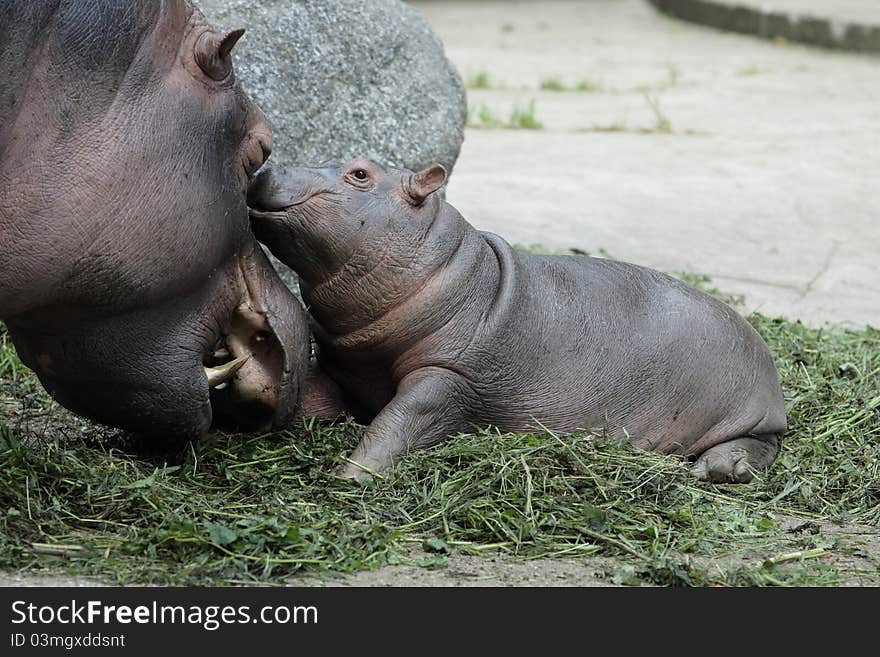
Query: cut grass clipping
[240,509]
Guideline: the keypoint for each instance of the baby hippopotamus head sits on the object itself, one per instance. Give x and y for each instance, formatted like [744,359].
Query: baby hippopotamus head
[323,219]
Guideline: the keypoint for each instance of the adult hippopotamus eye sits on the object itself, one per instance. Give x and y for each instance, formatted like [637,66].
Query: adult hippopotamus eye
[212,53]
[360,174]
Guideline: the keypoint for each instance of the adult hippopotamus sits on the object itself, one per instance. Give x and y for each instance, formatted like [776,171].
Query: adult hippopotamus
[129,279]
[430,327]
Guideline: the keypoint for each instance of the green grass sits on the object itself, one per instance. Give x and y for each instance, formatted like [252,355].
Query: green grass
[483,117]
[586,86]
[480,80]
[521,118]
[10,366]
[238,509]
[524,118]
[662,124]
[555,84]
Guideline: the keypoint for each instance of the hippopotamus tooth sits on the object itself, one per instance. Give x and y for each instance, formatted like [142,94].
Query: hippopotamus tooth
[429,327]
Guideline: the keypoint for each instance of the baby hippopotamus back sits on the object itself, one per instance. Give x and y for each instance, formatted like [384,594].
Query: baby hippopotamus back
[430,327]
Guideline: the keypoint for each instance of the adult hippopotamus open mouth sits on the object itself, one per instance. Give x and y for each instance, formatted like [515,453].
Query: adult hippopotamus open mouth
[129,279]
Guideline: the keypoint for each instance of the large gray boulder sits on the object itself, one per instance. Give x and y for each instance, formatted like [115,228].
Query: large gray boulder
[342,79]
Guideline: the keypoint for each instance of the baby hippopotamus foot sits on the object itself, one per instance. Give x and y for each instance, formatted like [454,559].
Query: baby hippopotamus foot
[736,461]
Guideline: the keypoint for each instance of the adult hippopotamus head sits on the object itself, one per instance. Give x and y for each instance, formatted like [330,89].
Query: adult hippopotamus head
[126,262]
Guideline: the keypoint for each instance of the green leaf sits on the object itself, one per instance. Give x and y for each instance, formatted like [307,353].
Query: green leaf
[595,517]
[435,545]
[220,534]
[437,561]
[766,524]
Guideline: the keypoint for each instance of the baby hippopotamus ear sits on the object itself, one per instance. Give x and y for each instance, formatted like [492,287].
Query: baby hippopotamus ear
[421,185]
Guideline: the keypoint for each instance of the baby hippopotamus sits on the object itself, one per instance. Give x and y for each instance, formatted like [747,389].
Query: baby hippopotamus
[430,327]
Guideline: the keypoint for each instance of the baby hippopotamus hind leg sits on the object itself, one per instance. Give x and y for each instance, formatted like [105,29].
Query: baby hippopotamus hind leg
[737,460]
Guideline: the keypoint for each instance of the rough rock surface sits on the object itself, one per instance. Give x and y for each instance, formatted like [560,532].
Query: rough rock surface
[341,79]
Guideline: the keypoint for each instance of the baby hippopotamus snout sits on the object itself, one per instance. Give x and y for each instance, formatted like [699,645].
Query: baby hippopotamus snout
[275,189]
[319,217]
[431,327]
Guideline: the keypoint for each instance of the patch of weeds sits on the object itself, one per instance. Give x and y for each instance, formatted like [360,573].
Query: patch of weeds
[482,117]
[662,124]
[524,118]
[480,81]
[521,118]
[586,86]
[555,84]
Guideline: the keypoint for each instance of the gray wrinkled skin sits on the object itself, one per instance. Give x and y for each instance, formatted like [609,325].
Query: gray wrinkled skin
[339,79]
[431,327]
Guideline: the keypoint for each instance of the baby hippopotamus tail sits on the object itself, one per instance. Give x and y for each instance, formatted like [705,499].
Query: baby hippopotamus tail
[432,327]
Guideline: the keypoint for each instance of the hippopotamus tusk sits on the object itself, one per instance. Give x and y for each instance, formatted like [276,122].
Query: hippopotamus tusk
[223,373]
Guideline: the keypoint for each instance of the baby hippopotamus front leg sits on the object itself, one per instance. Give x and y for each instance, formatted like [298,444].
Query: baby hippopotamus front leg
[430,405]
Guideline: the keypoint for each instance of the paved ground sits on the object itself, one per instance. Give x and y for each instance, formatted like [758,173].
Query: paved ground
[766,181]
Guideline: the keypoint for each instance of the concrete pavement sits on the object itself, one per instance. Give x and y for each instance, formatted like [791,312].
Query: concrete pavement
[752,162]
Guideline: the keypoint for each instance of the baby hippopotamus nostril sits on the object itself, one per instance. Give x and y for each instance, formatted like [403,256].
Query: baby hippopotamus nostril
[431,326]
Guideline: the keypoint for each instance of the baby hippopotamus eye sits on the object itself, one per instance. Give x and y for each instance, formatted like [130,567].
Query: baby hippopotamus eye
[358,177]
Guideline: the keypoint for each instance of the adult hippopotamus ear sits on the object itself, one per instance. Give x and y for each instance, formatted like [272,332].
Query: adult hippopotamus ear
[424,183]
[212,53]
